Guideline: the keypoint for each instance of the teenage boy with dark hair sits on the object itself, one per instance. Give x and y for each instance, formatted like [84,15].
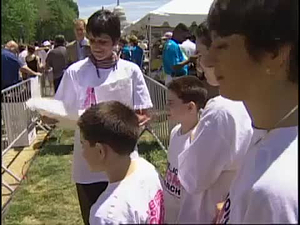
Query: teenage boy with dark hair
[109,133]
[255,55]
[186,96]
[208,166]
[100,77]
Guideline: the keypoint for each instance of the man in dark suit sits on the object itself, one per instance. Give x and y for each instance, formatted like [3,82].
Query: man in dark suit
[78,49]
[58,60]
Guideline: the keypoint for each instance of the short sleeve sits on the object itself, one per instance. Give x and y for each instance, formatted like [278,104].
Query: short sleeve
[202,163]
[141,96]
[67,92]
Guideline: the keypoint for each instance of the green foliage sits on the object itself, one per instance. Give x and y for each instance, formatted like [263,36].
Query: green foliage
[37,19]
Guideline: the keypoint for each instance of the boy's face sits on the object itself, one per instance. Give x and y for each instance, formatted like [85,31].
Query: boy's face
[94,155]
[177,110]
[102,46]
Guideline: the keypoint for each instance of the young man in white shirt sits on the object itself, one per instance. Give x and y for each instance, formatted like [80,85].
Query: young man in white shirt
[186,97]
[100,77]
[208,166]
[255,56]
[109,133]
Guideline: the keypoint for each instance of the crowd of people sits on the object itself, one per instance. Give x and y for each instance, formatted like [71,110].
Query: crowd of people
[232,156]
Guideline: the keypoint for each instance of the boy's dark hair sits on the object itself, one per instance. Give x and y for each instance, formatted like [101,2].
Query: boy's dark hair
[31,49]
[104,22]
[22,47]
[203,34]
[182,27]
[59,40]
[110,123]
[189,89]
[266,24]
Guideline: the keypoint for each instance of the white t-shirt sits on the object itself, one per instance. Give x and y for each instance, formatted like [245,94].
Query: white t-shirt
[208,166]
[266,187]
[188,47]
[125,84]
[172,187]
[22,56]
[138,199]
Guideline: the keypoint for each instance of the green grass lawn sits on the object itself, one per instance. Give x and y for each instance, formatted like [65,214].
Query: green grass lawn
[48,195]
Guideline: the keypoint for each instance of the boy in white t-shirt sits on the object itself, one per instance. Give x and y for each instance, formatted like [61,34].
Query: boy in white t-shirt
[186,96]
[109,133]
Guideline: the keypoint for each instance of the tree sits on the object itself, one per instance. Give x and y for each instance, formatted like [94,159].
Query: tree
[18,20]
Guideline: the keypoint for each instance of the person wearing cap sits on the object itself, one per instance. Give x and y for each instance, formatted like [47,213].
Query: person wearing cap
[57,59]
[78,49]
[11,65]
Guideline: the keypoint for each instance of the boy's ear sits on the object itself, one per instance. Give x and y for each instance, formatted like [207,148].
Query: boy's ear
[192,105]
[102,151]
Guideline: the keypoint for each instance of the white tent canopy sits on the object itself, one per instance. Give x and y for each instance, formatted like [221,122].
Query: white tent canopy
[174,12]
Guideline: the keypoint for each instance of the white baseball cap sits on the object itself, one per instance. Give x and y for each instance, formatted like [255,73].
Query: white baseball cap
[46,43]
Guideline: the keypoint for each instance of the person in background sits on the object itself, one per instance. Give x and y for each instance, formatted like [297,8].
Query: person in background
[100,77]
[134,193]
[261,38]
[185,98]
[11,66]
[57,60]
[188,47]
[124,49]
[137,53]
[209,165]
[32,60]
[22,53]
[78,49]
[174,63]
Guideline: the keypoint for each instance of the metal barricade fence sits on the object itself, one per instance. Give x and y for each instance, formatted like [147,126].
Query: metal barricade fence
[18,121]
[159,126]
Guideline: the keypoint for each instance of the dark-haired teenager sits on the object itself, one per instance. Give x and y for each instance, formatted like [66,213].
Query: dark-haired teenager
[100,77]
[208,166]
[134,193]
[255,55]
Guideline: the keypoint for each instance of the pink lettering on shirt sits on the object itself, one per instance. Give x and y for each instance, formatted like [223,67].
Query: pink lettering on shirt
[156,210]
[90,98]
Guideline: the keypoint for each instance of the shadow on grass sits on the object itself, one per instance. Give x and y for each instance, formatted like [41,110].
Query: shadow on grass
[56,150]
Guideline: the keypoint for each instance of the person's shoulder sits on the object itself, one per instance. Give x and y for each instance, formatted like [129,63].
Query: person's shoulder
[128,65]
[79,65]
[71,44]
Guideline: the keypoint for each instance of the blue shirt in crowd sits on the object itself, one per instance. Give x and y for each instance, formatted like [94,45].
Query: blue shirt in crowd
[126,53]
[172,55]
[10,68]
[137,55]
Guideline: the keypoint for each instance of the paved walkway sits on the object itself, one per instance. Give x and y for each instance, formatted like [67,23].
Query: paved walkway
[18,161]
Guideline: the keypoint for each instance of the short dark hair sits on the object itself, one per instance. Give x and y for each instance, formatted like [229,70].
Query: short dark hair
[110,123]
[22,47]
[189,89]
[203,34]
[31,49]
[59,40]
[104,22]
[182,27]
[266,24]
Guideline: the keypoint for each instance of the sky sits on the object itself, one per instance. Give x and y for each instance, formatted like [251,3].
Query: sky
[134,9]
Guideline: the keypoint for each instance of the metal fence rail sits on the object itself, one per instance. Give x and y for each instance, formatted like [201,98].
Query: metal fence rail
[159,126]
[18,121]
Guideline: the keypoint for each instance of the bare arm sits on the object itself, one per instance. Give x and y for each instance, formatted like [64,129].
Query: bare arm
[27,70]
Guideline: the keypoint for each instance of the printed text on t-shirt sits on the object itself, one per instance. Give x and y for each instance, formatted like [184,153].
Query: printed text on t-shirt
[172,182]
